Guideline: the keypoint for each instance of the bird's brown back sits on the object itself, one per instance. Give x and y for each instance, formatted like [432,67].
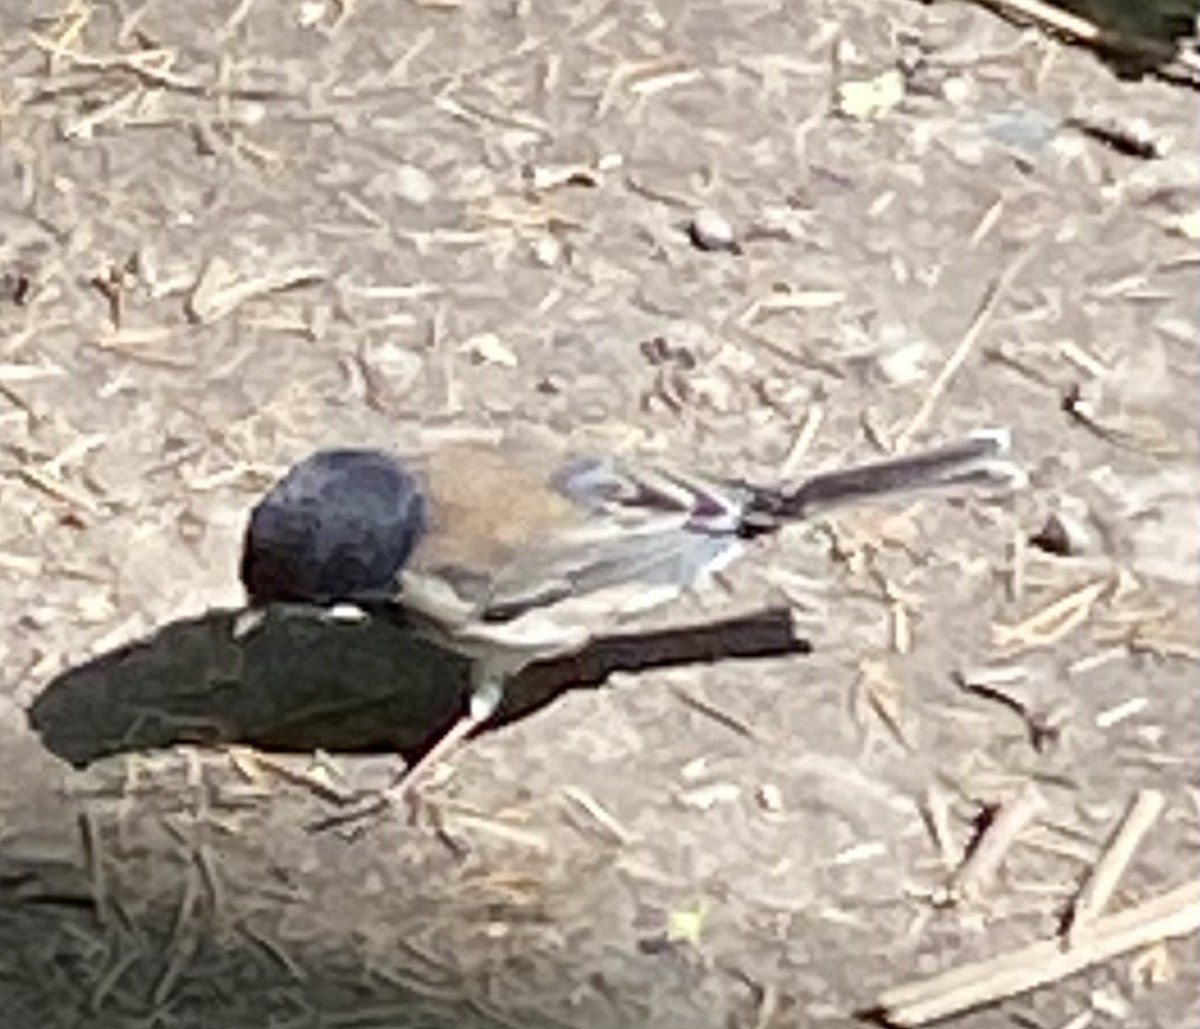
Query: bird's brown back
[486,504]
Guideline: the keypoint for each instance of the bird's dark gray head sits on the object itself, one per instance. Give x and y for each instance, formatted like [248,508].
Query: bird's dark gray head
[338,527]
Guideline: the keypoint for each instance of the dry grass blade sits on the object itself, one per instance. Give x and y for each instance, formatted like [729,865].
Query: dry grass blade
[497,828]
[93,854]
[59,490]
[1051,623]
[315,781]
[150,65]
[184,939]
[599,814]
[710,710]
[793,464]
[877,692]
[112,976]
[987,307]
[218,292]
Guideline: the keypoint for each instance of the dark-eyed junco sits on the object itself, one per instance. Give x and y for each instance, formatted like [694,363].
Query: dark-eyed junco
[514,552]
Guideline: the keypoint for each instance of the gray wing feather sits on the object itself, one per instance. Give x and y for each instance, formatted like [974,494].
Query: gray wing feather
[650,526]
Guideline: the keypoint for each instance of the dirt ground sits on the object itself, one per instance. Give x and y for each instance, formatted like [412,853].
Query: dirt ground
[232,231]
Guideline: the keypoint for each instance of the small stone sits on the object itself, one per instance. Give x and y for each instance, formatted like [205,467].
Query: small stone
[711,231]
[488,348]
[905,364]
[1187,224]
[310,14]
[770,798]
[413,185]
[388,370]
[548,251]
[1063,535]
[958,89]
[871,98]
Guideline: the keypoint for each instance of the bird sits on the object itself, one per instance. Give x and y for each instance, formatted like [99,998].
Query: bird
[519,550]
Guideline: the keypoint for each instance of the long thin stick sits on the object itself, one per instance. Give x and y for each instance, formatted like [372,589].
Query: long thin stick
[987,306]
[1139,817]
[1172,914]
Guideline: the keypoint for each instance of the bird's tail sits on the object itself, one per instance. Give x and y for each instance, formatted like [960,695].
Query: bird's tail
[979,460]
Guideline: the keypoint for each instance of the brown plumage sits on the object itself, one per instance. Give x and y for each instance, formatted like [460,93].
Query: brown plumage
[516,552]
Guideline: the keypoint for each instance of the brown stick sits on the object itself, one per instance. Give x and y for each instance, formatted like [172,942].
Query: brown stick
[1172,914]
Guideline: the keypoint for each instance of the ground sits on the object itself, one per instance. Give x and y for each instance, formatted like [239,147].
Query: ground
[232,234]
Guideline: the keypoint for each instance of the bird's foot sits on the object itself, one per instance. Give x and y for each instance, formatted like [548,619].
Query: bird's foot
[372,807]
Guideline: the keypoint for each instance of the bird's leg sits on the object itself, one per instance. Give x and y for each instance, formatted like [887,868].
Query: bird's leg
[486,695]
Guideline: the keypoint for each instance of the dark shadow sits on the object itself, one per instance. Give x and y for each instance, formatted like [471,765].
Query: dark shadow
[1133,39]
[1138,38]
[300,681]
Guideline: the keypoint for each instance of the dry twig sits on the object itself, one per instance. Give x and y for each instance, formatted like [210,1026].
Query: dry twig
[987,307]
[1098,888]
[1012,818]
[1172,914]
[599,814]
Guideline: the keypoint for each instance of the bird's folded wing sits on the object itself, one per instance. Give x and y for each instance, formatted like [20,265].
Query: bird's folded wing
[638,536]
[663,554]
[656,557]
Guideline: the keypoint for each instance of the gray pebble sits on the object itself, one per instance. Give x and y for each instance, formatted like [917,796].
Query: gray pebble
[709,230]
[1064,535]
[413,185]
